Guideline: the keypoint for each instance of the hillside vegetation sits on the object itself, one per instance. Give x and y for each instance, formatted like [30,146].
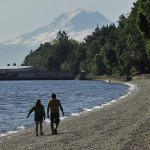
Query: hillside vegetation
[111,50]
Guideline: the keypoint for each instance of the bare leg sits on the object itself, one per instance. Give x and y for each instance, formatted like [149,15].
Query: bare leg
[56,126]
[41,128]
[36,129]
[57,120]
[52,127]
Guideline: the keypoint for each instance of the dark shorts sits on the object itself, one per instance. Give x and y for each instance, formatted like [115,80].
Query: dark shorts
[54,117]
[37,118]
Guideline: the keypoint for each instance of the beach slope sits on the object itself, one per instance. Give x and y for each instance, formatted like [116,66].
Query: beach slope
[123,125]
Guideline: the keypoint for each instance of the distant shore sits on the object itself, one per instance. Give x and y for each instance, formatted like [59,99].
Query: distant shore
[124,125]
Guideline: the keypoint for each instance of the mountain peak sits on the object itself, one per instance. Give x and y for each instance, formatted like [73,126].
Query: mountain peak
[75,21]
[77,24]
[80,19]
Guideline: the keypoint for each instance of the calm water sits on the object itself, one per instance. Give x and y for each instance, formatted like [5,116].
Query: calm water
[17,97]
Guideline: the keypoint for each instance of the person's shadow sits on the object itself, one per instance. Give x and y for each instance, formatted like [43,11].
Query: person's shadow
[60,133]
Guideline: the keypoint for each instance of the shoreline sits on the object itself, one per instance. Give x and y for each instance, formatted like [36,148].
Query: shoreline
[121,126]
[77,114]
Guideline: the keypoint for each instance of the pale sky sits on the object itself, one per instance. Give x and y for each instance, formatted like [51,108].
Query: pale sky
[18,17]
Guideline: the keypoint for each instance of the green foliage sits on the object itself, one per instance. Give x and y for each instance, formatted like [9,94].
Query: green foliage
[134,71]
[143,21]
[110,50]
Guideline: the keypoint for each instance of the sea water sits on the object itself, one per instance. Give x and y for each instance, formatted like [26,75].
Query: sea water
[76,96]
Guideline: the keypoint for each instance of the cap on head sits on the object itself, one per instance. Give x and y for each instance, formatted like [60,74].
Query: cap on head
[53,95]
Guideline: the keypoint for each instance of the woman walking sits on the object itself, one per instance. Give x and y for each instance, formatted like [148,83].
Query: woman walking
[39,115]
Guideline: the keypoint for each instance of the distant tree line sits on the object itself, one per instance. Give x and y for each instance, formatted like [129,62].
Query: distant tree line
[14,64]
[112,50]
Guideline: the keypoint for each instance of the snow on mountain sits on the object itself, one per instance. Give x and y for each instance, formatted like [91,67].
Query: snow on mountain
[77,24]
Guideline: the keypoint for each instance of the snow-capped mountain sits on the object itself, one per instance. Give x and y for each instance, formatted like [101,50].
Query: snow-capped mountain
[77,24]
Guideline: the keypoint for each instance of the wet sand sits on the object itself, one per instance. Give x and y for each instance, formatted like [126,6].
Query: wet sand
[124,125]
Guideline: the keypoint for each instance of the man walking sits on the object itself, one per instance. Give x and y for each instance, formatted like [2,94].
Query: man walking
[54,105]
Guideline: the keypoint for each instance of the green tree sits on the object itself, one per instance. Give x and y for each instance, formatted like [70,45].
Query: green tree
[143,20]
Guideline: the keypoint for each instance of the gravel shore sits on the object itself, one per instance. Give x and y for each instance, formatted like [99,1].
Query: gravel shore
[123,125]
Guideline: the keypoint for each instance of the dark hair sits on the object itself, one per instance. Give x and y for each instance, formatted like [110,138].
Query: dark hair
[38,102]
[53,95]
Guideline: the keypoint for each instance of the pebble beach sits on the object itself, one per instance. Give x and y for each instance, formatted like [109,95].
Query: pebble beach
[123,125]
